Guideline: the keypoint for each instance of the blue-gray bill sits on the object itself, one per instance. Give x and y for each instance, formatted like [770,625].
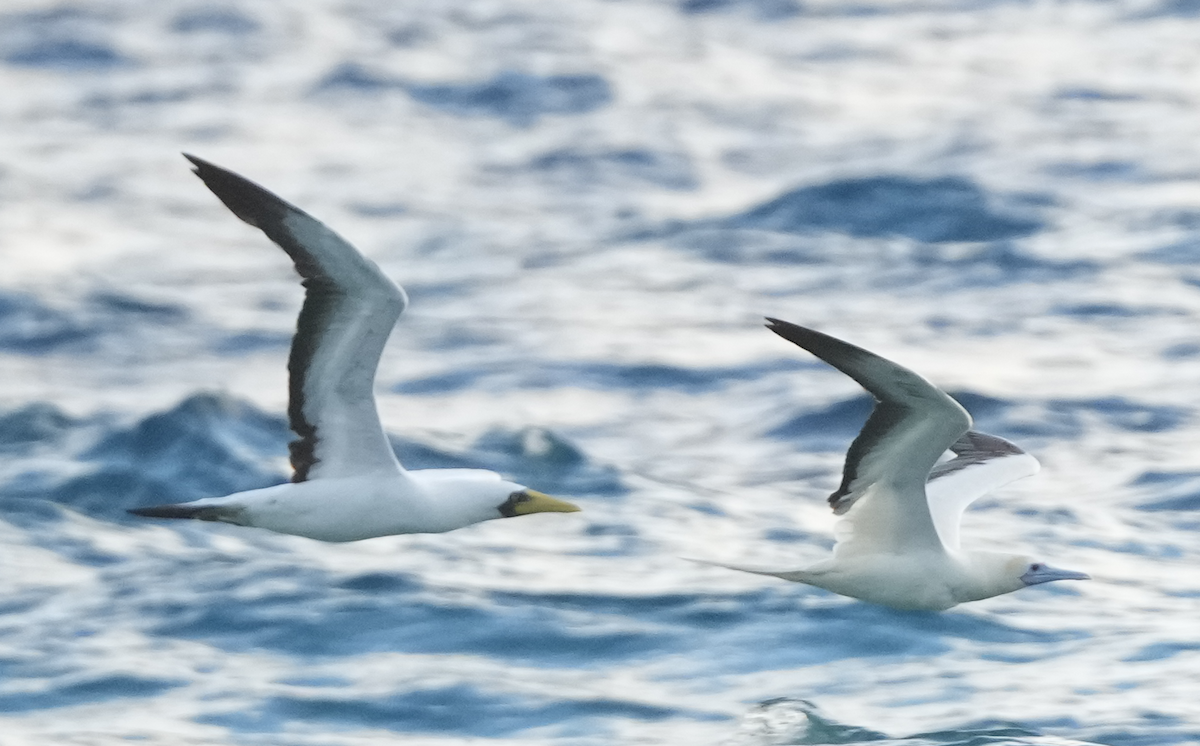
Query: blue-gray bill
[1042,573]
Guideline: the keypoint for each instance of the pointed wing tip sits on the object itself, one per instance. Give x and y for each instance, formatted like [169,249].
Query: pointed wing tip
[250,202]
[794,333]
[221,181]
[977,443]
[776,325]
[199,164]
[802,336]
[207,170]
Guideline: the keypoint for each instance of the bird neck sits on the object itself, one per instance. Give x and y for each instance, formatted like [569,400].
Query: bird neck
[453,500]
[988,574]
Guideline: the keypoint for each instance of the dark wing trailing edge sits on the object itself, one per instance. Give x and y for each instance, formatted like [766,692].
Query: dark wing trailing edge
[911,426]
[981,464]
[973,449]
[349,310]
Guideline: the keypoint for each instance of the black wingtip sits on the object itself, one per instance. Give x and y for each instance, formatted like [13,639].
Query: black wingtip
[975,442]
[810,339]
[199,164]
[210,172]
[250,202]
[842,355]
[779,326]
[802,336]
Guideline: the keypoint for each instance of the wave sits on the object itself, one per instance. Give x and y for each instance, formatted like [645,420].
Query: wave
[210,445]
[786,721]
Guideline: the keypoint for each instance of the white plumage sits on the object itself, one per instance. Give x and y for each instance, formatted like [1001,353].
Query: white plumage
[898,538]
[347,484]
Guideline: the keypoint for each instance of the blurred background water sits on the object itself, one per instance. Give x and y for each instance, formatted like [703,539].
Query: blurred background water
[592,204]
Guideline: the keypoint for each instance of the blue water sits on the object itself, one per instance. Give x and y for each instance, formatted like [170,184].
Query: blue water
[593,205]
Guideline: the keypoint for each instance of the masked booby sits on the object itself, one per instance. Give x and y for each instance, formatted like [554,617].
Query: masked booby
[347,484]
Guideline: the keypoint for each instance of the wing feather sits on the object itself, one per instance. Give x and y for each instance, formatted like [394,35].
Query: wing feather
[882,494]
[350,308]
[981,463]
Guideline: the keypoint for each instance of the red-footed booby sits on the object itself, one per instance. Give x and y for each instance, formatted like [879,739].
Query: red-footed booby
[347,483]
[897,540]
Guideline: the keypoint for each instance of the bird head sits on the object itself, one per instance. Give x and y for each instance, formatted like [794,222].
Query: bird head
[1035,573]
[460,497]
[994,574]
[525,501]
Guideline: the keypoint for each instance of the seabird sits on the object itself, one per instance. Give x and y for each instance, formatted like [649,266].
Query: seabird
[347,484]
[900,504]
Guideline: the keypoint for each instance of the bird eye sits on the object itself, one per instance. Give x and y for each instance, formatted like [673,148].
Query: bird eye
[1036,566]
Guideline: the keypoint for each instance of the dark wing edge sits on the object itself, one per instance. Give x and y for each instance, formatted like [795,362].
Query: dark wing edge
[974,448]
[892,396]
[981,463]
[265,210]
[884,419]
[320,297]
[259,207]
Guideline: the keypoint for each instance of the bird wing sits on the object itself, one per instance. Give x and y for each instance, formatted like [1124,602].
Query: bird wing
[349,310]
[981,464]
[882,495]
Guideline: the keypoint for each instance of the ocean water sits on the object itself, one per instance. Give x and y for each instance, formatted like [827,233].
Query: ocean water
[592,205]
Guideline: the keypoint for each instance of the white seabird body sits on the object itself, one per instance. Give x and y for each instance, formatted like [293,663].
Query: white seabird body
[347,483]
[363,507]
[898,539]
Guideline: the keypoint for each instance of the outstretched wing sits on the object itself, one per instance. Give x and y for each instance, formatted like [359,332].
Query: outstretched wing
[882,495]
[349,310]
[981,463]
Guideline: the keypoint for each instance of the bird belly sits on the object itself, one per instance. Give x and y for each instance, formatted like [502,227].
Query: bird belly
[899,581]
[335,510]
